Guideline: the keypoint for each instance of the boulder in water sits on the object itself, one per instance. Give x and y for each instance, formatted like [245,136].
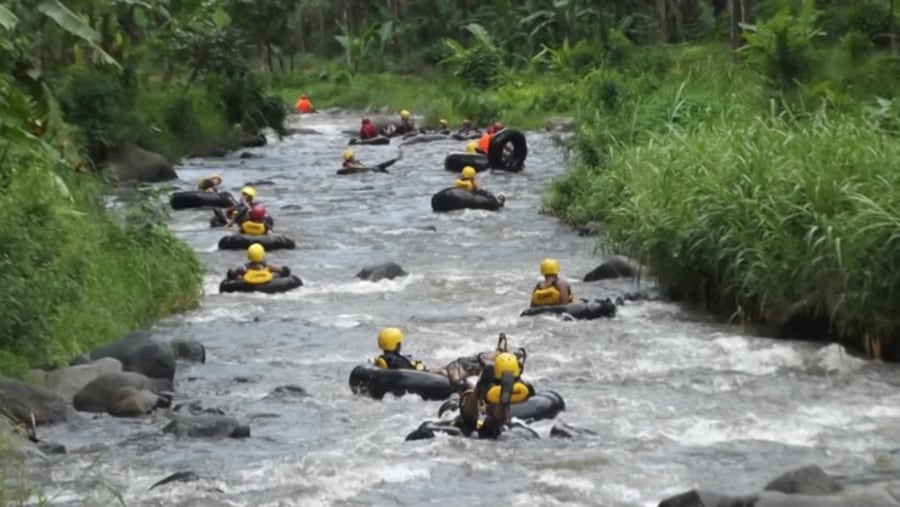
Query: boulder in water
[809,480]
[132,163]
[124,394]
[616,267]
[68,380]
[188,349]
[207,426]
[140,353]
[20,402]
[376,272]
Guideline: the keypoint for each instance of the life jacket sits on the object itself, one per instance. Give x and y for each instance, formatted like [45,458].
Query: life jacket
[520,392]
[466,184]
[548,296]
[254,228]
[304,106]
[484,144]
[368,131]
[395,361]
[257,274]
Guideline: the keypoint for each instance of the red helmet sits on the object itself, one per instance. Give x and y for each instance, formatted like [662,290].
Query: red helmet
[258,213]
[498,127]
[366,121]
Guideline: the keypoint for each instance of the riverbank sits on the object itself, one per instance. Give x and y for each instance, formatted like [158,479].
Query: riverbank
[523,99]
[76,276]
[764,203]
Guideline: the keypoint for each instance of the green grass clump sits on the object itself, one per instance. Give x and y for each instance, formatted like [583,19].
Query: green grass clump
[747,216]
[73,276]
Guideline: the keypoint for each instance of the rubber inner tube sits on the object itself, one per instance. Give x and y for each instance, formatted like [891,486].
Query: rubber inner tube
[280,284]
[453,198]
[371,141]
[353,170]
[508,151]
[268,241]
[370,380]
[583,310]
[543,405]
[456,161]
[198,199]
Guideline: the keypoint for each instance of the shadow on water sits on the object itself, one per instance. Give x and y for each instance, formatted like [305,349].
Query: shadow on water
[676,401]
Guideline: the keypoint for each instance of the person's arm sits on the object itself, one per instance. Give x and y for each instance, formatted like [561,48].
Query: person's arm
[564,291]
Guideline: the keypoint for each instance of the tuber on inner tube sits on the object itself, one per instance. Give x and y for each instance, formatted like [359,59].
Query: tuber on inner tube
[280,284]
[370,380]
[371,141]
[219,219]
[453,198]
[243,241]
[200,199]
[456,161]
[508,151]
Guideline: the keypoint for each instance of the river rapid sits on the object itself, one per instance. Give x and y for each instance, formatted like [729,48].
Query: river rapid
[676,400]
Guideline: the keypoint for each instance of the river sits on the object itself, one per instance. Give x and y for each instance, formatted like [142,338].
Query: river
[676,400]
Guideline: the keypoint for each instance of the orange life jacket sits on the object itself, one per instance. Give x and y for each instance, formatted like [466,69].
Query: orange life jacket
[304,106]
[484,144]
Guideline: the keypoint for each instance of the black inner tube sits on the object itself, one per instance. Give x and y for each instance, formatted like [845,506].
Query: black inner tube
[279,284]
[455,162]
[373,381]
[508,151]
[268,241]
[453,198]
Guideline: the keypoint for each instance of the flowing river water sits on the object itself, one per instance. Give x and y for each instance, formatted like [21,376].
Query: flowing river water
[676,400]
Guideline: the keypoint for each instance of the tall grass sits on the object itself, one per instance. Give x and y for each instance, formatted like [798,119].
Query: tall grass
[73,277]
[748,216]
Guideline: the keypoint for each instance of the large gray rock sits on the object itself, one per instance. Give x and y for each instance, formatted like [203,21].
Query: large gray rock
[207,426]
[132,163]
[615,267]
[20,401]
[140,353]
[68,380]
[124,394]
[809,480]
[376,272]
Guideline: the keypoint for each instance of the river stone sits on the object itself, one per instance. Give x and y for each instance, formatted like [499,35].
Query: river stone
[125,394]
[187,476]
[188,349]
[131,163]
[615,267]
[19,401]
[252,141]
[68,380]
[207,426]
[809,480]
[138,353]
[376,272]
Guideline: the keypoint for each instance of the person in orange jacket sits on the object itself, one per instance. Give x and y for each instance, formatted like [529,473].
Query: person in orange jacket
[304,106]
[484,144]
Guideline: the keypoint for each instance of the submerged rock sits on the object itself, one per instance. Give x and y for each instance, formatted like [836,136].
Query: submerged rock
[207,426]
[376,272]
[20,402]
[132,163]
[616,267]
[187,476]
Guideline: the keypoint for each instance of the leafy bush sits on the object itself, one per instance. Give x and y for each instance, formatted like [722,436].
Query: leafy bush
[480,65]
[782,47]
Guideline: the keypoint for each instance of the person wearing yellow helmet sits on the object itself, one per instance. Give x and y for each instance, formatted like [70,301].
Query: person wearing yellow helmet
[553,289]
[499,386]
[210,183]
[257,271]
[240,211]
[406,124]
[467,179]
[443,127]
[351,162]
[390,340]
[472,147]
[467,131]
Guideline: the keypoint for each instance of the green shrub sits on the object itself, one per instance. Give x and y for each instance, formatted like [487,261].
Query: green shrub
[73,278]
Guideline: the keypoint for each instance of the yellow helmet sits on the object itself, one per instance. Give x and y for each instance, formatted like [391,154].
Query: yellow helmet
[471,147]
[348,154]
[443,122]
[404,114]
[389,339]
[249,191]
[468,172]
[216,175]
[256,253]
[506,362]
[549,267]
